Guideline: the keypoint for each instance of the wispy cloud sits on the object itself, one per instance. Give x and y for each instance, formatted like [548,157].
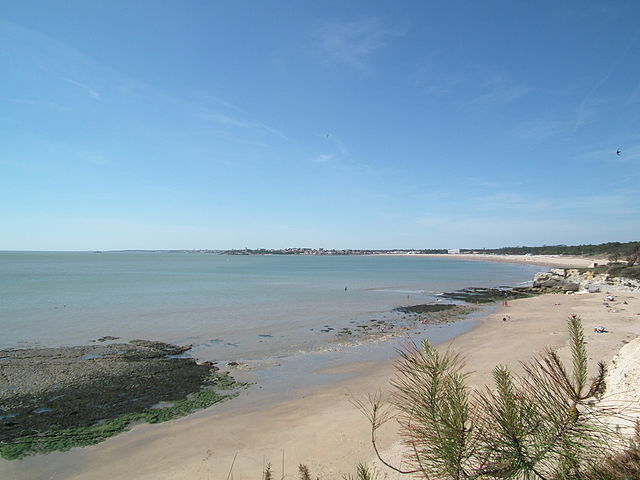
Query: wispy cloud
[540,130]
[489,85]
[234,122]
[337,162]
[323,158]
[352,43]
[489,182]
[621,201]
[90,91]
[226,120]
[220,102]
[586,109]
[511,201]
[44,55]
[501,95]
[336,142]
[496,86]
[431,78]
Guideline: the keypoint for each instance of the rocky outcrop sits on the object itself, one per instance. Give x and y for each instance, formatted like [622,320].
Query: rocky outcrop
[572,280]
[556,279]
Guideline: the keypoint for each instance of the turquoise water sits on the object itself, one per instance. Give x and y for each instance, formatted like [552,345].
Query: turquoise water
[228,307]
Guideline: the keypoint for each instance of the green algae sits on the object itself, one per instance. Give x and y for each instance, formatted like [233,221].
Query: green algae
[63,439]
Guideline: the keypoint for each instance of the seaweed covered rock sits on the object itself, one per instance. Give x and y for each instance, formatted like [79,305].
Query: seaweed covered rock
[77,394]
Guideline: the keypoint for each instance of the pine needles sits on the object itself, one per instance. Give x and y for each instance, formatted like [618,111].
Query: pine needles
[542,425]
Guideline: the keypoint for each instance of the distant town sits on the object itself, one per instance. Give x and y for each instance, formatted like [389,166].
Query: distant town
[293,251]
[614,250]
[322,251]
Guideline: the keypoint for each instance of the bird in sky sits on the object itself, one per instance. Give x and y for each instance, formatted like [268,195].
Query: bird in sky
[618,152]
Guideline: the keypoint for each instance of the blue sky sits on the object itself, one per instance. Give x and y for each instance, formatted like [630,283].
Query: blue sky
[414,124]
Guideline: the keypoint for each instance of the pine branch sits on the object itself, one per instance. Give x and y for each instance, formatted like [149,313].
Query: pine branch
[578,354]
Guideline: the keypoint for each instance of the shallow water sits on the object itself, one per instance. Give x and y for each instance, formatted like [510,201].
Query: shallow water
[228,307]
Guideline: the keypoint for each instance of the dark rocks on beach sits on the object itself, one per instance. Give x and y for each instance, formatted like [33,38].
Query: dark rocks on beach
[79,386]
[107,337]
[455,307]
[426,308]
[345,331]
[439,313]
[436,313]
[489,295]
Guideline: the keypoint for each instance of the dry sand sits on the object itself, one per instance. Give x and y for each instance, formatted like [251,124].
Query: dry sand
[563,261]
[322,428]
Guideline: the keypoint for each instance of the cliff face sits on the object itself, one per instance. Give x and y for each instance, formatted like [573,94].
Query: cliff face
[571,280]
[623,393]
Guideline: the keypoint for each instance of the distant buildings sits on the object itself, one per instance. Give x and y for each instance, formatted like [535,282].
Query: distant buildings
[322,251]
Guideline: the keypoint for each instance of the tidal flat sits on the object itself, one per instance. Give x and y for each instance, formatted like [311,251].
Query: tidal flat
[54,399]
[59,398]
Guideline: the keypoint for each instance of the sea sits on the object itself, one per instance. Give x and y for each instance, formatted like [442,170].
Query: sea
[229,307]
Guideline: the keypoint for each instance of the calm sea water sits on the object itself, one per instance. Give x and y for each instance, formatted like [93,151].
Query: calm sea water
[229,307]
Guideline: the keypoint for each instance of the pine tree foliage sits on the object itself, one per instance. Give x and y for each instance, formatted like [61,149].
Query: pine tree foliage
[542,425]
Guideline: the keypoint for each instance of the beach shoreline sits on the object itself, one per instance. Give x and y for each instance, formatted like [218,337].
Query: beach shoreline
[558,261]
[319,426]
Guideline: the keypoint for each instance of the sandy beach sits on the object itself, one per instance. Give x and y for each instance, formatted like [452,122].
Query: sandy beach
[561,261]
[320,427]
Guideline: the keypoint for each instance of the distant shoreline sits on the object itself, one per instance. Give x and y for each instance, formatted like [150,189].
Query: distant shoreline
[564,261]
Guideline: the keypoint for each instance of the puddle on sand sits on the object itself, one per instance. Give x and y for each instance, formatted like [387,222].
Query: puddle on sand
[43,410]
[91,356]
[180,355]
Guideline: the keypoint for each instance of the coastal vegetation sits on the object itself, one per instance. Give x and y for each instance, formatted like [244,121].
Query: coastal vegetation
[614,250]
[545,424]
[623,270]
